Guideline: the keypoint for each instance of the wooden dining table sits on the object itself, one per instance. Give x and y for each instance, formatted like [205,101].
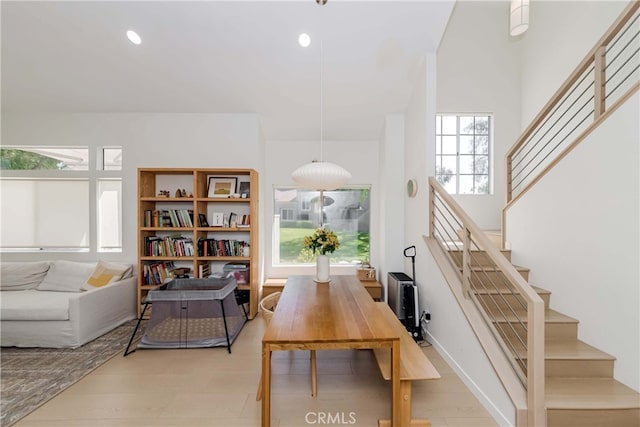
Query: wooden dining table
[326,316]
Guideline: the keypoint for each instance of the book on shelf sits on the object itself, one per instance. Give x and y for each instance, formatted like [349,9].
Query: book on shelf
[174,245]
[204,270]
[214,247]
[168,218]
[233,220]
[155,219]
[244,221]
[148,219]
[157,273]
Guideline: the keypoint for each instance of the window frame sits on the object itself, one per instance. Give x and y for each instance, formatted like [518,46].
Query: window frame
[440,154]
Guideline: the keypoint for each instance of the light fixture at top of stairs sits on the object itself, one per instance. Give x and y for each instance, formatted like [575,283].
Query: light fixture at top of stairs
[519,17]
[321,175]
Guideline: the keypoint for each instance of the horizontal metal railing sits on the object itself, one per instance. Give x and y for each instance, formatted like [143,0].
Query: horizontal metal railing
[512,310]
[603,80]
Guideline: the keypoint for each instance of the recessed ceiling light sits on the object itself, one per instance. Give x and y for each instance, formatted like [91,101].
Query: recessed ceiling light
[134,37]
[304,40]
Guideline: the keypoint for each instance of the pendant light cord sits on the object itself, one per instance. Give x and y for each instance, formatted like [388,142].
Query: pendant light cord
[321,117]
[321,105]
[321,94]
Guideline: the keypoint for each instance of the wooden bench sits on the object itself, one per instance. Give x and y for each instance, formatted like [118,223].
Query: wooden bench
[276,285]
[414,365]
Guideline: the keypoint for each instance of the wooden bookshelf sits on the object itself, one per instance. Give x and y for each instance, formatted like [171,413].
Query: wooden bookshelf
[162,244]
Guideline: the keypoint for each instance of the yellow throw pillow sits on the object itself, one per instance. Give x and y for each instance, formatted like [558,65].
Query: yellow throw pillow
[106,273]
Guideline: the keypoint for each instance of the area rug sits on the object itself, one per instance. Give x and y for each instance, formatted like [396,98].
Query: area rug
[30,377]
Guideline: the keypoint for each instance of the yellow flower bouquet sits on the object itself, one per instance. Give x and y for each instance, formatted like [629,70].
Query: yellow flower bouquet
[323,241]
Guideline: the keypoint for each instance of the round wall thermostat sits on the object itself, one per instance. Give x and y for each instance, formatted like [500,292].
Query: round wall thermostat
[412,188]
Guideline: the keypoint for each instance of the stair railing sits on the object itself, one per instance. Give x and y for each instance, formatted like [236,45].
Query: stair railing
[605,78]
[513,311]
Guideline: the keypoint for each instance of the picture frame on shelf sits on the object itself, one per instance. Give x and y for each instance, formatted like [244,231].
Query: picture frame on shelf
[202,220]
[244,189]
[217,220]
[221,187]
[233,220]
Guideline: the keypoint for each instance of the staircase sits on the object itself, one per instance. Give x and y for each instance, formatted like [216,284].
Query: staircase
[579,386]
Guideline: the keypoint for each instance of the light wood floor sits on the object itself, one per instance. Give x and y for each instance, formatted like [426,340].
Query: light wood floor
[209,387]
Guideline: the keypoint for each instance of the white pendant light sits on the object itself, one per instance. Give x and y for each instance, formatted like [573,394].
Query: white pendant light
[321,175]
[519,17]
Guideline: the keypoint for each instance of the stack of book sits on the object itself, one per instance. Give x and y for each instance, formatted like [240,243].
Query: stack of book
[213,247]
[169,218]
[175,245]
[157,273]
[204,270]
[236,220]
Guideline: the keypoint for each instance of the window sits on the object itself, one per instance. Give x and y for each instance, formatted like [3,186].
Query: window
[297,213]
[111,159]
[109,215]
[47,193]
[287,214]
[463,150]
[42,214]
[44,158]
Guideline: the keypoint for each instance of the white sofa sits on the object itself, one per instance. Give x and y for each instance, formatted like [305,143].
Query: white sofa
[55,303]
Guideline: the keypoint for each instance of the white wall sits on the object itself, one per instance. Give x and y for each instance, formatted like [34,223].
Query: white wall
[456,342]
[560,35]
[148,140]
[578,230]
[418,157]
[360,158]
[479,72]
[392,208]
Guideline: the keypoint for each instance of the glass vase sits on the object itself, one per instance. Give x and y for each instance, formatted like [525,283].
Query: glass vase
[322,269]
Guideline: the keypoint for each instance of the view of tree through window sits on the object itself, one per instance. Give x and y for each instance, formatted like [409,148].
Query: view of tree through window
[44,158]
[463,145]
[297,213]
[25,160]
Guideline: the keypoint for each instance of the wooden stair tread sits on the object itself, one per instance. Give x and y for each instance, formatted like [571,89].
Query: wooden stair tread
[477,252]
[502,251]
[568,350]
[497,231]
[589,393]
[550,316]
[489,269]
[501,289]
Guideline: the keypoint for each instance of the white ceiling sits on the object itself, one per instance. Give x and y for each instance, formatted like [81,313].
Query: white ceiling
[222,57]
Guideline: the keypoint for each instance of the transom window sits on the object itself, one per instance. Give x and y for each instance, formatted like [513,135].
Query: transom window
[463,153]
[45,158]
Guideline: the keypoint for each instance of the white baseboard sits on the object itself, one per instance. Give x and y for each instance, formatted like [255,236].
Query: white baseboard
[493,410]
